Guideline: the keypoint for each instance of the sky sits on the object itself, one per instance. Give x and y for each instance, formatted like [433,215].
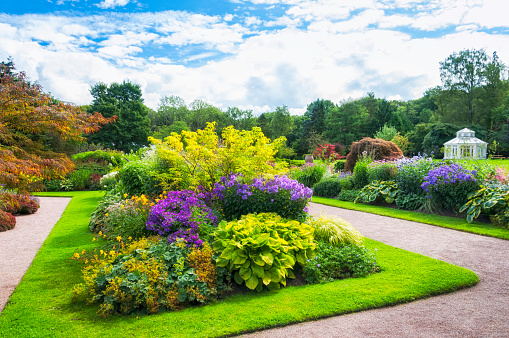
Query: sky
[251,54]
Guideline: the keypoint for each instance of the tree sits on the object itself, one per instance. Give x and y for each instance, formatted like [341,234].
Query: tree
[240,119]
[170,109]
[465,72]
[132,128]
[25,113]
[202,113]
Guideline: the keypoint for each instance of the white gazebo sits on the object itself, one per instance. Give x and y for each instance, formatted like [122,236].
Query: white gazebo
[465,145]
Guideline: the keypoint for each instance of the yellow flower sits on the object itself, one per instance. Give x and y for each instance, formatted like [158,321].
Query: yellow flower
[129,238]
[77,255]
[119,239]
[122,206]
[94,239]
[100,232]
[125,195]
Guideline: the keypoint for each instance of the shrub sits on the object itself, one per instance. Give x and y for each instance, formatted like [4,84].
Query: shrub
[450,185]
[286,197]
[329,187]
[80,179]
[326,152]
[262,249]
[345,180]
[194,159]
[334,230]
[377,149]
[127,218]
[135,178]
[338,262]
[7,221]
[100,157]
[382,170]
[409,201]
[339,165]
[360,172]
[108,181]
[183,214]
[14,203]
[99,217]
[149,274]
[386,133]
[310,174]
[348,195]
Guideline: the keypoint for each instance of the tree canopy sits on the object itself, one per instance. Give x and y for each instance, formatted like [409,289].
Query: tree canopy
[26,113]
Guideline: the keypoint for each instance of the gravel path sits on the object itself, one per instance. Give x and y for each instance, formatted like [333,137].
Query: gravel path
[19,246]
[480,311]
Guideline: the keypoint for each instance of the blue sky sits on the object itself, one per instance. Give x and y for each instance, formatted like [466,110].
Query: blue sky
[252,54]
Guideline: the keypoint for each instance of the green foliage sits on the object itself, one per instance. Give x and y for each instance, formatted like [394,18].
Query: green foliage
[346,182]
[262,249]
[310,174]
[339,165]
[80,179]
[98,218]
[136,178]
[360,172]
[149,274]
[338,262]
[409,201]
[334,230]
[329,187]
[100,157]
[381,171]
[348,195]
[385,189]
[386,133]
[492,200]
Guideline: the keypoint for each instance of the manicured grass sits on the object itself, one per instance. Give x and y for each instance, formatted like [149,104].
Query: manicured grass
[442,221]
[41,306]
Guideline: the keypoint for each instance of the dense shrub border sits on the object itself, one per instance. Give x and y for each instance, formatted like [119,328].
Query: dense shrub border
[41,305]
[460,224]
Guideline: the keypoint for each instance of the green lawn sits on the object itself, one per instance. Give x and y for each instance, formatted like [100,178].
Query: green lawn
[41,306]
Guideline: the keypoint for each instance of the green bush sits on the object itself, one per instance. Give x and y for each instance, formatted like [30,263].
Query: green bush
[492,200]
[348,195]
[262,249]
[339,165]
[98,218]
[382,170]
[338,262]
[345,180]
[334,230]
[135,178]
[329,187]
[409,201]
[360,172]
[127,218]
[100,157]
[310,174]
[80,179]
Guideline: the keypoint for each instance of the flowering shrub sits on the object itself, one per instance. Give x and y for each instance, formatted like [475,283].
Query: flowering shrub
[360,172]
[280,194]
[338,262]
[262,249]
[183,214]
[149,274]
[18,203]
[327,152]
[329,187]
[450,185]
[411,172]
[127,217]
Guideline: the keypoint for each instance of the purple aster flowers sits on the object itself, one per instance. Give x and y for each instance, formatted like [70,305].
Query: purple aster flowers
[181,215]
[447,174]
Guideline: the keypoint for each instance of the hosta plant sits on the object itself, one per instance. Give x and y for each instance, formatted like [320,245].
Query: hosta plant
[489,199]
[262,249]
[385,189]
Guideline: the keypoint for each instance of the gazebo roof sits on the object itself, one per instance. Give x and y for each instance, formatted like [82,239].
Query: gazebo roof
[465,136]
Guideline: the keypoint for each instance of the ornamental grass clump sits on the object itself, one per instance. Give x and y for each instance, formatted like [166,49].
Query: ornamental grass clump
[334,230]
[280,194]
[149,274]
[262,249]
[183,214]
[449,185]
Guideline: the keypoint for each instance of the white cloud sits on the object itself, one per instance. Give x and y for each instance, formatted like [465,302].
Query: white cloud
[106,4]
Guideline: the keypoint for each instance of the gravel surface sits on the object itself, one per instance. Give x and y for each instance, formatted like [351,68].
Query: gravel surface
[19,246]
[480,311]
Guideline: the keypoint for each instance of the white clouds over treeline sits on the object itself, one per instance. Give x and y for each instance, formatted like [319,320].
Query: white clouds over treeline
[253,58]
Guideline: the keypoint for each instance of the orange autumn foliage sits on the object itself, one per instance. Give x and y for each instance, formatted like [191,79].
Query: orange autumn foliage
[26,113]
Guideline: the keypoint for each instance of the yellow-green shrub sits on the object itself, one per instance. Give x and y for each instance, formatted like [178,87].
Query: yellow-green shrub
[192,159]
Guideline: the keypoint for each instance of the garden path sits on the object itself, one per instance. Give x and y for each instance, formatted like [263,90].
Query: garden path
[19,246]
[480,311]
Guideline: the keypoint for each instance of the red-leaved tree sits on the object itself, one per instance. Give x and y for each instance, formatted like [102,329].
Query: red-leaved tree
[26,113]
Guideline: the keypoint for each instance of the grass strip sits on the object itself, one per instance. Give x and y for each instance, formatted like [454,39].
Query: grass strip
[475,227]
[41,306]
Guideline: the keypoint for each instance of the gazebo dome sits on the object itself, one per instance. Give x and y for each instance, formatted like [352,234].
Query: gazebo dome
[465,145]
